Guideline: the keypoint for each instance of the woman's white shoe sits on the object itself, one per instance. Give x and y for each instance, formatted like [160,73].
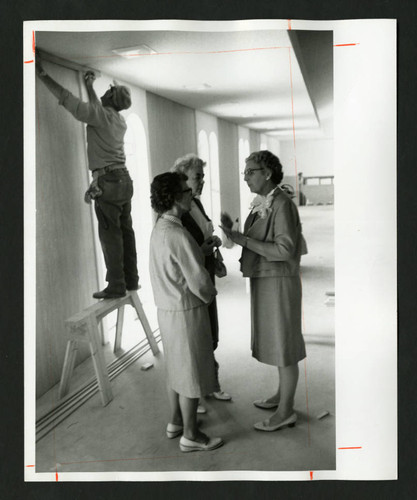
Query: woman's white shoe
[265,425]
[174,430]
[222,396]
[201,409]
[187,445]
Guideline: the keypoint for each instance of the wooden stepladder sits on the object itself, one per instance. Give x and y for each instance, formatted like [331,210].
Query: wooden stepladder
[83,327]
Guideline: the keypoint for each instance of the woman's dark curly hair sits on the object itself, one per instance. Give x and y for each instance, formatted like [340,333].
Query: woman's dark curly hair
[269,161]
[165,189]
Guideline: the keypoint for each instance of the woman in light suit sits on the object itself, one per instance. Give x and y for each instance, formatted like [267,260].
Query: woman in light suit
[272,244]
[182,291]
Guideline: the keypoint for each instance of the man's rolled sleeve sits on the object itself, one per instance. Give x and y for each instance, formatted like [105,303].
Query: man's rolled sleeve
[82,111]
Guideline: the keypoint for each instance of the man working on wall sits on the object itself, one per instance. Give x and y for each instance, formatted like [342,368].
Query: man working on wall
[111,188]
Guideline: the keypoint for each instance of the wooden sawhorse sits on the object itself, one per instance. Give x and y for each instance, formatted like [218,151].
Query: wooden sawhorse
[83,327]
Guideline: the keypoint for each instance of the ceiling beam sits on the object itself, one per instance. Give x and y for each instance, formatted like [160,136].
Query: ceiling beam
[46,56]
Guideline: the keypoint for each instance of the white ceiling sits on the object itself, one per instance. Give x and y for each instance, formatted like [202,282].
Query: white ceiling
[269,81]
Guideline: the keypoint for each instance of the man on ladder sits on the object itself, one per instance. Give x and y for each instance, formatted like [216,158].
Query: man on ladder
[112,187]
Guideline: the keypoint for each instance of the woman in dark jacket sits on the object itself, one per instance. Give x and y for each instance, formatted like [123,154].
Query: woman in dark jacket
[201,229]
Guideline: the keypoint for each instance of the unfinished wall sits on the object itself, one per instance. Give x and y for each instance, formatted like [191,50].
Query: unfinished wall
[229,167]
[66,273]
[172,132]
[254,141]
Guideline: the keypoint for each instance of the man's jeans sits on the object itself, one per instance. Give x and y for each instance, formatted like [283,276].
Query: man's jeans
[115,230]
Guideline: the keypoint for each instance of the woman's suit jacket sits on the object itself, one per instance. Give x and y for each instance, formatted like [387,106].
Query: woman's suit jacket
[281,229]
[179,279]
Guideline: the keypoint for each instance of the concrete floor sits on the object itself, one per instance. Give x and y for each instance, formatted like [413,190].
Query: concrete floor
[129,433]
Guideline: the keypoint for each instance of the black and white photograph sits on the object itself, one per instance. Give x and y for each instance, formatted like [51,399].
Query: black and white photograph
[192,248]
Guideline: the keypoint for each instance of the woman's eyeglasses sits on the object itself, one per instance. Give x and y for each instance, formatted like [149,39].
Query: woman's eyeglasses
[249,172]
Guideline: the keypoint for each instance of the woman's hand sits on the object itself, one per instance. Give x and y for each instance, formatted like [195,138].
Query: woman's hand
[209,245]
[226,220]
[217,241]
[236,236]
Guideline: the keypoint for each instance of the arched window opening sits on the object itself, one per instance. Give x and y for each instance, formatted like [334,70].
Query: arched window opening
[137,162]
[204,154]
[214,178]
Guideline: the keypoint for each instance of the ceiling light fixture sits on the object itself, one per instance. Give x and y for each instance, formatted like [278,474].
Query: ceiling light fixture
[248,115]
[201,86]
[139,50]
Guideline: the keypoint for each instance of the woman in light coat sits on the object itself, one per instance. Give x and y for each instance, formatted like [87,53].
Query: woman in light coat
[182,291]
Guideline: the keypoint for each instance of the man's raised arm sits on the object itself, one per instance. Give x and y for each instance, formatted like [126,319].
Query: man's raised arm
[54,87]
[89,79]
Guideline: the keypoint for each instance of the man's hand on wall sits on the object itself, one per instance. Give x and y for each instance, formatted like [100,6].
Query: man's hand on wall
[89,78]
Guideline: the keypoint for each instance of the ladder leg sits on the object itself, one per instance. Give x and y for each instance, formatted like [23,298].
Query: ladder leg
[99,362]
[103,333]
[144,320]
[119,328]
[68,367]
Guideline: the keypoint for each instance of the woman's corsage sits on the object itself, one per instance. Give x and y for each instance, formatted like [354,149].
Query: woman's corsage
[262,204]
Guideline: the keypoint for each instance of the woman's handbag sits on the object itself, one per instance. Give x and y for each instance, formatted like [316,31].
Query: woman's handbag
[219,268]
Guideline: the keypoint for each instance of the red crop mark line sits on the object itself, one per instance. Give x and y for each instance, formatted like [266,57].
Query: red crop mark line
[33,48]
[292,107]
[189,53]
[289,24]
[311,474]
[351,448]
[79,58]
[297,192]
[293,124]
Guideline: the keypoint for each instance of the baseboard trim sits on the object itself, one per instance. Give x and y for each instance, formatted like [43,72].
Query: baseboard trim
[67,405]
